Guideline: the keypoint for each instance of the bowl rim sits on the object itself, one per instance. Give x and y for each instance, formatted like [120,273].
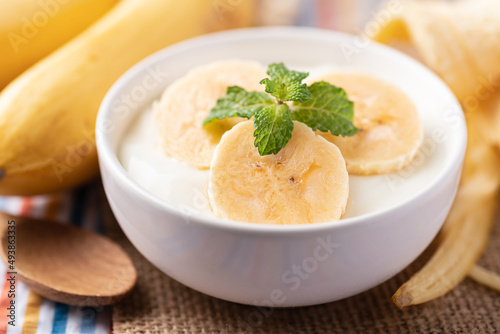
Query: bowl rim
[109,156]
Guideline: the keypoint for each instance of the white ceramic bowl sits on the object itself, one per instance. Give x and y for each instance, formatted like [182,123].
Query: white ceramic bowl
[266,264]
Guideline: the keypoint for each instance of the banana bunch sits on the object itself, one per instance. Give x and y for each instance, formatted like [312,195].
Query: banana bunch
[47,114]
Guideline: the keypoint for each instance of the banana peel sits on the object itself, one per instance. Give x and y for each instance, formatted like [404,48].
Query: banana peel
[485,277]
[452,40]
[467,228]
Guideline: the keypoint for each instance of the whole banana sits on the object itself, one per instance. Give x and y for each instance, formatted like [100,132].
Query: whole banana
[47,115]
[31,29]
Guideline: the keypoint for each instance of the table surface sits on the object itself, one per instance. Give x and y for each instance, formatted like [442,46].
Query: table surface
[161,305]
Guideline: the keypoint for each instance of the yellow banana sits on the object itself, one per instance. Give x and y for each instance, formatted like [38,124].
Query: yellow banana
[306,182]
[183,134]
[389,129]
[31,29]
[47,115]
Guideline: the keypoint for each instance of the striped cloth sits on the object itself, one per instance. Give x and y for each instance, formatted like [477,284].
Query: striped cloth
[35,314]
[38,315]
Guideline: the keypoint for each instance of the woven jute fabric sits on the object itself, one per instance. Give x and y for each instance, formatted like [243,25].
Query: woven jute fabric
[159,304]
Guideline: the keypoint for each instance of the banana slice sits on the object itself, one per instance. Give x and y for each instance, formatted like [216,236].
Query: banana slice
[306,182]
[390,131]
[188,101]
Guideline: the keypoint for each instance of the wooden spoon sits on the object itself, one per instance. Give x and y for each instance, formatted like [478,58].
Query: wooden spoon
[65,263]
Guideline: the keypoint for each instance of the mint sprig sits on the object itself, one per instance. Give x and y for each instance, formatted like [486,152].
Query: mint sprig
[320,106]
[286,85]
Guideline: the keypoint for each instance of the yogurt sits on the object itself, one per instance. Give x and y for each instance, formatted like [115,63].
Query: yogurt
[184,186]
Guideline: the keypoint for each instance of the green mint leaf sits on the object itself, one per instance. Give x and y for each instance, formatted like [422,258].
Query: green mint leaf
[329,110]
[280,74]
[237,102]
[298,92]
[273,128]
[286,85]
[277,72]
[273,88]
[321,106]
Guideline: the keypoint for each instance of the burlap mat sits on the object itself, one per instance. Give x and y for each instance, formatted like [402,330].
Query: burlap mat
[161,305]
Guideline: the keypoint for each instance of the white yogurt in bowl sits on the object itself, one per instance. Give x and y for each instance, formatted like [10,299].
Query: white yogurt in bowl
[161,203]
[184,186]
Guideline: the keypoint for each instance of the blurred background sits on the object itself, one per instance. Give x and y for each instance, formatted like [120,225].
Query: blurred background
[343,15]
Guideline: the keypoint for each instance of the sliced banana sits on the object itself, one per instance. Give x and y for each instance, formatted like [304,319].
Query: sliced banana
[188,101]
[306,182]
[390,130]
